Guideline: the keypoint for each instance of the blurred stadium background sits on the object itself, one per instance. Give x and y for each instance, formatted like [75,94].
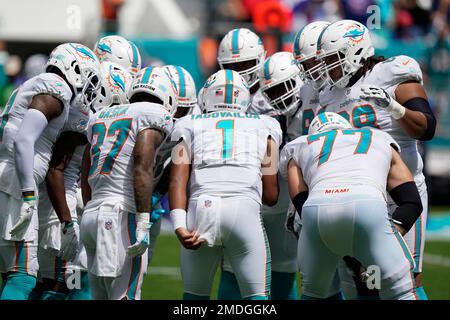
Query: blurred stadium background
[187,32]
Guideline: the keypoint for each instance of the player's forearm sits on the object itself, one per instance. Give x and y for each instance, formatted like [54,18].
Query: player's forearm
[270,190]
[85,166]
[177,197]
[143,188]
[414,123]
[179,176]
[57,194]
[31,128]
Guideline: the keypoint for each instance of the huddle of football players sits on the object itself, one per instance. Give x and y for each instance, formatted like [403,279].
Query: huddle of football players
[303,161]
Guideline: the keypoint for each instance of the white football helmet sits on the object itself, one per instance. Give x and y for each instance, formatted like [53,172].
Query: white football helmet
[119,50]
[305,50]
[156,82]
[280,82]
[116,84]
[225,90]
[242,50]
[327,121]
[344,44]
[200,99]
[185,85]
[81,68]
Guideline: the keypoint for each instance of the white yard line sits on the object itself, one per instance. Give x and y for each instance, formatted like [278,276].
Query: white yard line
[165,271]
[437,260]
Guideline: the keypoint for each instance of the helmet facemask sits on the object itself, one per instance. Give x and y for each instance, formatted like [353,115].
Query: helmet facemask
[336,62]
[313,70]
[248,69]
[283,97]
[90,90]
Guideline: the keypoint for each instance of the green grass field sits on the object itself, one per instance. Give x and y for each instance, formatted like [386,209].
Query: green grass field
[163,280]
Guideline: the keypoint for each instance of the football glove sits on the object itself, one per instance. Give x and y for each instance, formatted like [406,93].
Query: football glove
[383,100]
[27,210]
[69,242]
[143,226]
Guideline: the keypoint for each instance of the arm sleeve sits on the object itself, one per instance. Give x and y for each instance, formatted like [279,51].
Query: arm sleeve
[407,198]
[290,151]
[422,105]
[31,128]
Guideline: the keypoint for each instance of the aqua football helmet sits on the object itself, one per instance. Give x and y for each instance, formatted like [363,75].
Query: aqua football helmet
[156,82]
[242,50]
[81,68]
[119,50]
[344,46]
[327,121]
[116,85]
[225,90]
[185,85]
[280,82]
[305,50]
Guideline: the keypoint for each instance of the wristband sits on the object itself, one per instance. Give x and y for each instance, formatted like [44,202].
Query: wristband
[178,217]
[396,109]
[143,219]
[29,198]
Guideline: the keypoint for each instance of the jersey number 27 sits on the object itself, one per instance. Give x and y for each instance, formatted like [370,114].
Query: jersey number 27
[119,128]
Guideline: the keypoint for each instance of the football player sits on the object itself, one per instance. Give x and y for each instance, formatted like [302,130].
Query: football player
[337,179]
[187,101]
[58,197]
[280,84]
[242,50]
[30,124]
[380,93]
[117,182]
[312,71]
[229,158]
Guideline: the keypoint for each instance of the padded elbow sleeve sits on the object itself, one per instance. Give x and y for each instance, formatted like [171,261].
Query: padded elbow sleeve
[31,128]
[422,105]
[407,198]
[299,200]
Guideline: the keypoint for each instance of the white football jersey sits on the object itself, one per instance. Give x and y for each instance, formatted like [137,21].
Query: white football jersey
[11,119]
[259,105]
[333,161]
[112,134]
[226,151]
[76,122]
[298,125]
[362,113]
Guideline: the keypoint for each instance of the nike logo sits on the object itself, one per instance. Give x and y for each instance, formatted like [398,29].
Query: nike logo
[406,62]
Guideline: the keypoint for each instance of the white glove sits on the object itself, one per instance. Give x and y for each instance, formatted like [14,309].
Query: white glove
[143,226]
[69,242]
[383,100]
[27,210]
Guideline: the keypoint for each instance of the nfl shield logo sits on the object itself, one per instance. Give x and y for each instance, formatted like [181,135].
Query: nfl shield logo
[108,225]
[208,203]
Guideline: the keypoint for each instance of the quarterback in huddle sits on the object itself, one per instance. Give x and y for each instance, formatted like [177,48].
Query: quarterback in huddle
[302,161]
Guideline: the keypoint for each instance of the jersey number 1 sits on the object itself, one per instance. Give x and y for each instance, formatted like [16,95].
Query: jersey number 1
[120,127]
[227,127]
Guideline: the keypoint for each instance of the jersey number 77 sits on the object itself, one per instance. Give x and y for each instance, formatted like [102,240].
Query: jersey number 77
[329,137]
